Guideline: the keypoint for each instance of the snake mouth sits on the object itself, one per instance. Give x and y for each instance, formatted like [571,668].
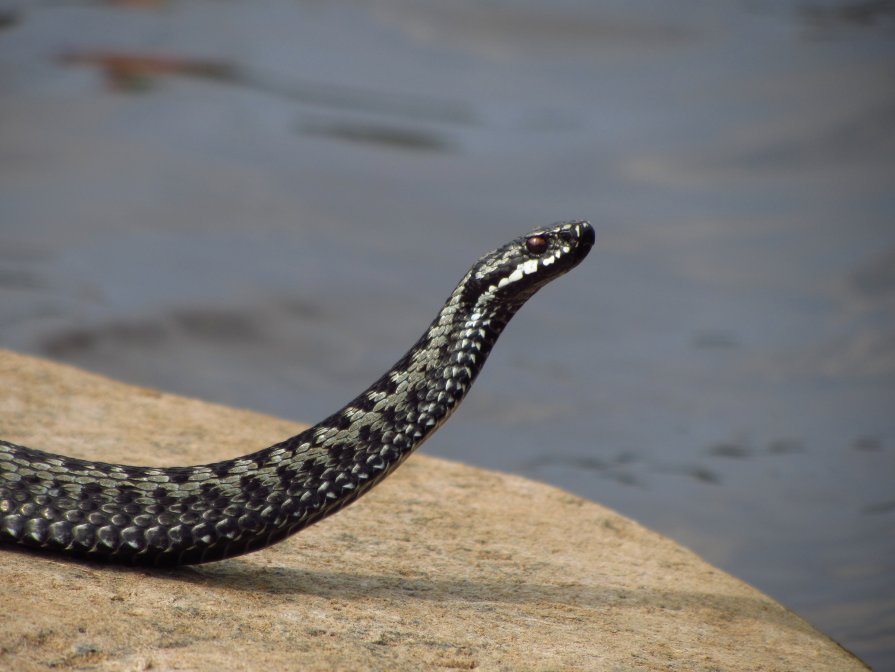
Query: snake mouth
[587,236]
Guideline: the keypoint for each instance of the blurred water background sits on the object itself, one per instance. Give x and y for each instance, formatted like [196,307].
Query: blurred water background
[264,203]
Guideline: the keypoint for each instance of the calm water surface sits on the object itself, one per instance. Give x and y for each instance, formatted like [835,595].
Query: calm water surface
[264,204]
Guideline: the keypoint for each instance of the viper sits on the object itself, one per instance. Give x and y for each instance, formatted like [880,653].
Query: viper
[190,515]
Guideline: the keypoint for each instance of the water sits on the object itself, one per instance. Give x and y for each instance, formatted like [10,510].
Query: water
[270,219]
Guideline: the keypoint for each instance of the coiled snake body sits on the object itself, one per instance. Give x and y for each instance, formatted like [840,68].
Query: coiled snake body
[189,515]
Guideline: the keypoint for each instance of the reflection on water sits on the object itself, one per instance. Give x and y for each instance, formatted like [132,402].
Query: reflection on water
[137,72]
[859,14]
[616,468]
[263,204]
[365,132]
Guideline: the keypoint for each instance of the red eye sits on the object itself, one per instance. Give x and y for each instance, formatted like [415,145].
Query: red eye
[536,245]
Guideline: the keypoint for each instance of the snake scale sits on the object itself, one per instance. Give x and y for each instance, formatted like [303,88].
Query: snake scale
[190,515]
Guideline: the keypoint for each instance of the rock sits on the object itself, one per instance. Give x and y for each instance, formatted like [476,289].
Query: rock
[441,566]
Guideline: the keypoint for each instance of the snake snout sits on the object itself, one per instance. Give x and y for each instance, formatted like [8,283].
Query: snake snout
[587,235]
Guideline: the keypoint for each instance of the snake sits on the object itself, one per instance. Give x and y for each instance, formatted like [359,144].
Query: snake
[171,516]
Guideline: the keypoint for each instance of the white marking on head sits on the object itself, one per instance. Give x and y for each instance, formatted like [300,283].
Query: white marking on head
[512,277]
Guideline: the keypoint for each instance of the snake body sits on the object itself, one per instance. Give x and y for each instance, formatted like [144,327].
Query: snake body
[189,515]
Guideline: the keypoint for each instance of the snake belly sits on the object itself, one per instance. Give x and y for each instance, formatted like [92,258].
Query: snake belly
[189,515]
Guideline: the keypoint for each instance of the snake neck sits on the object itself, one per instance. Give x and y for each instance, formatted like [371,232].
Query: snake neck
[399,411]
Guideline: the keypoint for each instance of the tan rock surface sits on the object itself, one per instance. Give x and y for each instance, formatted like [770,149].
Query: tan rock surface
[442,566]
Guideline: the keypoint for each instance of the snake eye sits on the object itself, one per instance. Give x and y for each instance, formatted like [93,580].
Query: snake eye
[536,245]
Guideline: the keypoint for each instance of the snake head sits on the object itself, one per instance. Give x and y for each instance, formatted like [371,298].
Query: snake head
[515,271]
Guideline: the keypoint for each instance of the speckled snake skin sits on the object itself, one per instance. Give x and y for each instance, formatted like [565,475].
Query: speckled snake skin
[189,515]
